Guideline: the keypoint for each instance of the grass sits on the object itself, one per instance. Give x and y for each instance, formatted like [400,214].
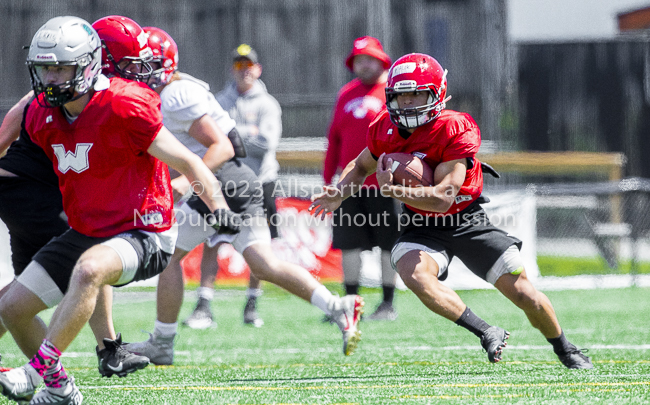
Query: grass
[574,266]
[418,359]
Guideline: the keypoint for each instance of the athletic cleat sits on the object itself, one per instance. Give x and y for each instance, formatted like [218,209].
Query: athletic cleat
[159,349]
[201,318]
[575,359]
[493,341]
[17,385]
[346,313]
[250,314]
[68,395]
[384,312]
[114,359]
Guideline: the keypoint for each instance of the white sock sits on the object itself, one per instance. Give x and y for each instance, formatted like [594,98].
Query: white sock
[254,292]
[321,298]
[165,329]
[33,375]
[206,293]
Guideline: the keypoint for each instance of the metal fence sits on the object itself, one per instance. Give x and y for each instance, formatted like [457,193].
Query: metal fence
[302,45]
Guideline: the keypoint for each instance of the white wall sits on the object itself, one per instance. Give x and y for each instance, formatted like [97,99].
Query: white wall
[549,20]
[6,270]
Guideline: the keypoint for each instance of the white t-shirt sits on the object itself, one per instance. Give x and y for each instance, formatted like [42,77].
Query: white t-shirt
[183,102]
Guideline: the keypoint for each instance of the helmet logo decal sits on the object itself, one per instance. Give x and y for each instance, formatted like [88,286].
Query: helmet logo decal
[87,28]
[146,53]
[408,67]
[47,57]
[142,39]
[47,38]
[404,85]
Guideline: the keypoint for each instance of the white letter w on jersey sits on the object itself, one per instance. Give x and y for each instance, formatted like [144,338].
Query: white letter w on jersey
[77,161]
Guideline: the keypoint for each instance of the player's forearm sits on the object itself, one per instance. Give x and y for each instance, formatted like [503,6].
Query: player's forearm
[217,155]
[433,199]
[204,184]
[10,128]
[351,179]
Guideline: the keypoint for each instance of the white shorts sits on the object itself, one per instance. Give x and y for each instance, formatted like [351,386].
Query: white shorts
[192,231]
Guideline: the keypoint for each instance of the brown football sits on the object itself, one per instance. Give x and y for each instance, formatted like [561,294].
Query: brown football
[409,170]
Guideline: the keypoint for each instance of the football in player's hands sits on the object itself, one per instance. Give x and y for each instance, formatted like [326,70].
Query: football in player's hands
[409,170]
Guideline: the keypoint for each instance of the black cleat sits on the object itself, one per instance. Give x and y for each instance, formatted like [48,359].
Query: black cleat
[114,359]
[250,314]
[384,312]
[201,317]
[493,341]
[575,359]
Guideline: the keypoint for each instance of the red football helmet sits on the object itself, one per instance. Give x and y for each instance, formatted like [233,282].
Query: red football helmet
[125,50]
[416,72]
[165,56]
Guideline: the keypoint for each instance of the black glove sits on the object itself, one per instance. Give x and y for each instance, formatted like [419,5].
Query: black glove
[224,221]
[237,143]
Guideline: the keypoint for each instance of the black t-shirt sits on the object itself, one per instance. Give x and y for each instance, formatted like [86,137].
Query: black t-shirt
[25,159]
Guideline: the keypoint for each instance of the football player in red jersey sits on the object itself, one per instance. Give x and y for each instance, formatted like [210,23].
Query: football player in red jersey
[444,220]
[110,152]
[31,207]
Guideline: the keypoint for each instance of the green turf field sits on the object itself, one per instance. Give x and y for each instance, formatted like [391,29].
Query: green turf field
[575,266]
[418,359]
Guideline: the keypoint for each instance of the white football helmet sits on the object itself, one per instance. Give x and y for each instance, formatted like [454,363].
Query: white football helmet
[67,41]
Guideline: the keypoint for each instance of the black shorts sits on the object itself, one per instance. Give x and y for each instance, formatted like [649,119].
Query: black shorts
[269,207]
[468,235]
[365,220]
[59,257]
[32,211]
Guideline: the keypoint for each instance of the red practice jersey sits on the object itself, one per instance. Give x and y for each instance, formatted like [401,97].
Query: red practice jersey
[453,135]
[110,184]
[356,107]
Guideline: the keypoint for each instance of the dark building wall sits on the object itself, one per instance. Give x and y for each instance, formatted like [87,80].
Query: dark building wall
[591,96]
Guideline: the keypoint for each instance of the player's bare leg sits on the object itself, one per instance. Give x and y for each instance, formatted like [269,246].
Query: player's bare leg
[420,274]
[540,313]
[345,312]
[3,330]
[253,292]
[98,266]
[169,294]
[267,267]
[201,317]
[27,329]
[159,348]
[101,321]
[535,304]
[385,311]
[112,358]
[209,269]
[351,261]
